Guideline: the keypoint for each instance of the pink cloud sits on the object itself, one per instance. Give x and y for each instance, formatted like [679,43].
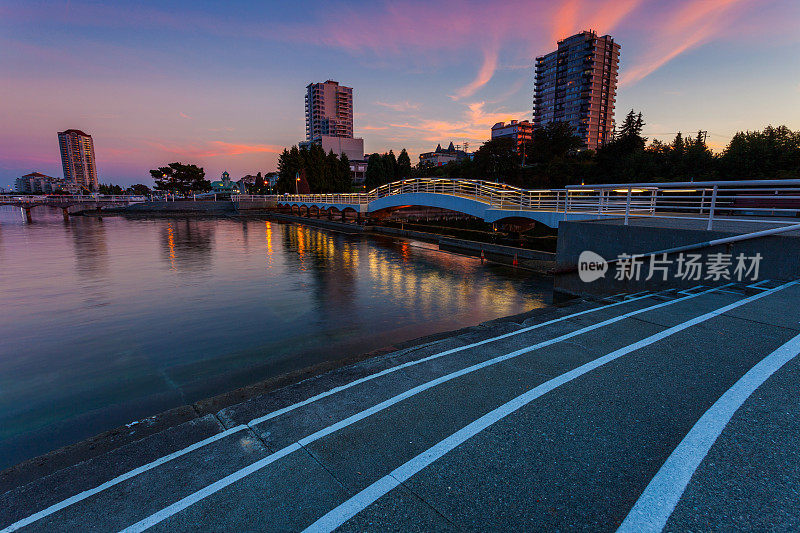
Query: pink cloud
[565,19]
[695,23]
[475,125]
[215,149]
[490,57]
[399,106]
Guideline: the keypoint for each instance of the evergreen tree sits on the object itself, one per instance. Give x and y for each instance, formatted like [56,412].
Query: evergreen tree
[403,165]
[389,167]
[375,172]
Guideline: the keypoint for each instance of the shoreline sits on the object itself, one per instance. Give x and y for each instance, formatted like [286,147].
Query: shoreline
[137,430]
[193,421]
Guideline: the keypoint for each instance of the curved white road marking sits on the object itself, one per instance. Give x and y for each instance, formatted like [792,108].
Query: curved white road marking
[153,464]
[119,479]
[658,501]
[369,495]
[350,384]
[236,476]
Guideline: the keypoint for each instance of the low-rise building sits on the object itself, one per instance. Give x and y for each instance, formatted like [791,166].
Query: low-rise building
[440,156]
[358,171]
[352,147]
[226,186]
[521,132]
[38,183]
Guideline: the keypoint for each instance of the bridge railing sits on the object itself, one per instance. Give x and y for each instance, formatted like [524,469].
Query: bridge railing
[735,200]
[746,200]
[72,198]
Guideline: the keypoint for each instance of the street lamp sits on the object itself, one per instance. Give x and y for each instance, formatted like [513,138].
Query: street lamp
[297,183]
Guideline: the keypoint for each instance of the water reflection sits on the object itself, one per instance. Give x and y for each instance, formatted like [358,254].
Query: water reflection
[106,333]
[91,248]
[187,244]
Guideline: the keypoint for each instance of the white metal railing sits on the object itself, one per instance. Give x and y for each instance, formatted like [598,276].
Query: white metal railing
[735,200]
[72,198]
[746,200]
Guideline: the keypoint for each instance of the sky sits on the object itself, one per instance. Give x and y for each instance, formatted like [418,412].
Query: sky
[222,84]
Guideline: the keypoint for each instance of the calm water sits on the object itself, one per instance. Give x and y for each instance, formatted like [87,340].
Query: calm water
[110,320]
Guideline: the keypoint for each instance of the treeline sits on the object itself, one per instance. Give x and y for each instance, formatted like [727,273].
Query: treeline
[323,172]
[553,159]
[138,189]
[386,168]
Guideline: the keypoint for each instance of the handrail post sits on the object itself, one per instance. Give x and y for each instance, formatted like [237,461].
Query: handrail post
[627,205]
[711,209]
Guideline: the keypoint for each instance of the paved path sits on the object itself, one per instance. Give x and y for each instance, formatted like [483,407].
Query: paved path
[675,411]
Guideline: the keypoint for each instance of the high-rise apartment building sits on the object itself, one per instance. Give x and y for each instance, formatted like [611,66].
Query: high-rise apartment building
[329,110]
[77,158]
[577,84]
[329,121]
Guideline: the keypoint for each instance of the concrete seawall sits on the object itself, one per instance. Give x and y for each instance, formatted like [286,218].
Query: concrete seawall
[538,261]
[181,207]
[780,254]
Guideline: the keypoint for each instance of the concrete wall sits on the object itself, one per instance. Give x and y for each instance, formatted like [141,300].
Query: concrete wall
[542,262]
[182,206]
[245,205]
[781,255]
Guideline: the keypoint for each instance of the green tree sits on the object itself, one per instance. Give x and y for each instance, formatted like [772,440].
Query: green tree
[139,189]
[624,158]
[498,160]
[107,188]
[323,172]
[555,140]
[403,165]
[375,172]
[181,179]
[389,167]
[773,152]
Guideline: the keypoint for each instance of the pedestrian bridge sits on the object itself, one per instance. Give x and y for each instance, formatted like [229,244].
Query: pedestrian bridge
[495,202]
[491,202]
[87,201]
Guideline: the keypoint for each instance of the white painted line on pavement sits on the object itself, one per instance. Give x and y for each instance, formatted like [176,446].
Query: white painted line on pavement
[658,501]
[387,371]
[119,479]
[155,518]
[757,284]
[689,291]
[236,476]
[369,495]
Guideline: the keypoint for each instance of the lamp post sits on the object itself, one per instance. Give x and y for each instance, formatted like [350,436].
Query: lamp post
[297,183]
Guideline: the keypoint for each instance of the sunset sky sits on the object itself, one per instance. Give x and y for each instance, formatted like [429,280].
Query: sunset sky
[222,84]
